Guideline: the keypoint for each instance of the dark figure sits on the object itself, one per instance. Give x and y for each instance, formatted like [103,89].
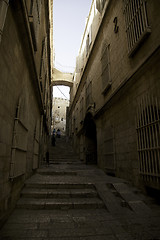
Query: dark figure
[47,157]
[54,131]
[58,133]
[53,140]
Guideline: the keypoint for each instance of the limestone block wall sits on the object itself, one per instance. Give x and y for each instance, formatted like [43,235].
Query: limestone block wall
[129,78]
[59,114]
[122,116]
[24,102]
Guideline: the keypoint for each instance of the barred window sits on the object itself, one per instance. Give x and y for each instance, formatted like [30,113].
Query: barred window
[105,66]
[148,139]
[137,26]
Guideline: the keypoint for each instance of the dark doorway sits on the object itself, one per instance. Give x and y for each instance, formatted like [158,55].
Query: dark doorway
[90,139]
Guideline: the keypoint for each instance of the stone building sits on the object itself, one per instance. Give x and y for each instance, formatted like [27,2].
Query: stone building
[59,114]
[25,93]
[115,98]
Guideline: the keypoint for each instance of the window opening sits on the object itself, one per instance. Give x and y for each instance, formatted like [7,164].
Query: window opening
[137,26]
[105,66]
[148,140]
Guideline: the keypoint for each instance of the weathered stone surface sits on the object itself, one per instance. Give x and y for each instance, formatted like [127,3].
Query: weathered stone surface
[78,217]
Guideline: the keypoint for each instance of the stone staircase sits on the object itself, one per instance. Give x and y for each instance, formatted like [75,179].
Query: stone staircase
[73,201]
[55,187]
[59,196]
[62,153]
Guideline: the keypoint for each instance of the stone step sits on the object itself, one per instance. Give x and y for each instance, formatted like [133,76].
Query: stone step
[59,185]
[63,162]
[58,193]
[64,158]
[72,203]
[56,172]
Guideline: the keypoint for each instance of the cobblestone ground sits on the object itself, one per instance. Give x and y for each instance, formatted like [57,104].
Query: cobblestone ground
[69,200]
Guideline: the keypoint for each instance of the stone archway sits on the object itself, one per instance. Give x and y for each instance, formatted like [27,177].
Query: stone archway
[90,140]
[61,78]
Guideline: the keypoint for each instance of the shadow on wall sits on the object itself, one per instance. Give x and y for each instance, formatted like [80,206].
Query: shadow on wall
[90,139]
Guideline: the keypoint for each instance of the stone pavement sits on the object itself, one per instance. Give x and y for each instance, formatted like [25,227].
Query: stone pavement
[69,200]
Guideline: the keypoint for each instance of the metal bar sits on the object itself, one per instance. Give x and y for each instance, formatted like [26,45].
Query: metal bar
[127,26]
[135,20]
[149,124]
[145,14]
[151,132]
[142,136]
[139,16]
[157,126]
[150,163]
[131,25]
[154,135]
[138,136]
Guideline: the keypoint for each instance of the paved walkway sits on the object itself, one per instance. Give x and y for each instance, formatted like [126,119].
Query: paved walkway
[69,200]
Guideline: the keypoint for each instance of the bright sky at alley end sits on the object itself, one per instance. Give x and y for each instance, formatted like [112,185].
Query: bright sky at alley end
[69,18]
[68,26]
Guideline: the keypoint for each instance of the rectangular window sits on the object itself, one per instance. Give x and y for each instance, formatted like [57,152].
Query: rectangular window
[109,149]
[88,94]
[148,140]
[105,66]
[42,57]
[34,20]
[137,27]
[81,109]
[43,64]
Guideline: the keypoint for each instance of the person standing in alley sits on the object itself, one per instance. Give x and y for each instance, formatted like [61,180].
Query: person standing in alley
[54,131]
[58,133]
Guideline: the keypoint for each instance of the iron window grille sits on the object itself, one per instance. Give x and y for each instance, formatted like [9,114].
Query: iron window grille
[148,140]
[137,26]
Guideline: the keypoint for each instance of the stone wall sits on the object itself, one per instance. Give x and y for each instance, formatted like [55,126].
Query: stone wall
[25,101]
[59,114]
[129,78]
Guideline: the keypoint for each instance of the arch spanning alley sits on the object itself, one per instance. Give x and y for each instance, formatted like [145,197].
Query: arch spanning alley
[61,78]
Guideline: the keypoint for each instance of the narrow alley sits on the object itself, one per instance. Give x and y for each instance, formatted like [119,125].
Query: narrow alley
[101,180]
[69,200]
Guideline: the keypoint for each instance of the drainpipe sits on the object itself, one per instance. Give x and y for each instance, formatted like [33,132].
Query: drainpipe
[3,12]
